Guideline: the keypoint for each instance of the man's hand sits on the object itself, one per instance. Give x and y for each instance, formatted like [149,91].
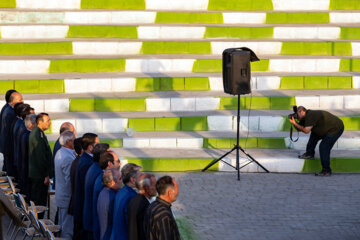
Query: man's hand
[47,181]
[292,121]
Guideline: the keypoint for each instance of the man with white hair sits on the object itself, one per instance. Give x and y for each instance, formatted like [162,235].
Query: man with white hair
[63,160]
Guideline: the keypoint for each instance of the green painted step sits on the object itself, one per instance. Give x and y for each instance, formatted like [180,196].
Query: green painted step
[316,82]
[317,48]
[107,105]
[341,165]
[240,32]
[8,4]
[87,65]
[169,124]
[350,65]
[296,17]
[36,48]
[139,104]
[274,103]
[33,86]
[344,5]
[184,17]
[176,48]
[350,32]
[215,65]
[113,4]
[40,86]
[228,143]
[129,32]
[173,164]
[240,5]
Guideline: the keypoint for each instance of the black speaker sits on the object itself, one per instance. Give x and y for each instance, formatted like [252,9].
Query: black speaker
[236,70]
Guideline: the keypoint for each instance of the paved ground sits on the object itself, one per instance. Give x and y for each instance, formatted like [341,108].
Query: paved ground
[268,206]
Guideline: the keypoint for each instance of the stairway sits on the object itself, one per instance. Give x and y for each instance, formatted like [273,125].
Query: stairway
[155,67]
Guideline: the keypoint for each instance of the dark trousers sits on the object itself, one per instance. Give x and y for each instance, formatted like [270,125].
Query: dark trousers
[326,145]
[39,191]
[78,231]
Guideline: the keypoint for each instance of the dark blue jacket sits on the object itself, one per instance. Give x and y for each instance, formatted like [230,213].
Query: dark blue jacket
[23,171]
[91,175]
[85,162]
[106,211]
[1,113]
[120,221]
[7,119]
[19,129]
[56,148]
[98,187]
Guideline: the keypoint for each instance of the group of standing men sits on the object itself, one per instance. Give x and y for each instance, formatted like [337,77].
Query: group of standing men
[95,199]
[25,148]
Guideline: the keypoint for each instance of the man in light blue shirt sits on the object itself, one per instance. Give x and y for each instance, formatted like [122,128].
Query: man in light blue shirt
[63,160]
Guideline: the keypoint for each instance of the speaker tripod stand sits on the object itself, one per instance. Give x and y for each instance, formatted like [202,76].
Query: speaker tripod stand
[238,148]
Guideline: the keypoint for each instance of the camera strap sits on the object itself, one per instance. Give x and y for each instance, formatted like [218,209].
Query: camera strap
[291,135]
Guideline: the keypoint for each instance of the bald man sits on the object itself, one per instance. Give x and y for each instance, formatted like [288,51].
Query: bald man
[7,118]
[66,126]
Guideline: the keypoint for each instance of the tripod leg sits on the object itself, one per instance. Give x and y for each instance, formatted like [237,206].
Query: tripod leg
[253,160]
[216,160]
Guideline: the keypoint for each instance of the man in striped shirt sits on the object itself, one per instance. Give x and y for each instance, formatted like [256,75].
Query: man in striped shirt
[159,222]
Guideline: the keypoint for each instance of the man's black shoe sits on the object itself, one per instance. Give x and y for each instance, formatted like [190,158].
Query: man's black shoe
[305,156]
[323,174]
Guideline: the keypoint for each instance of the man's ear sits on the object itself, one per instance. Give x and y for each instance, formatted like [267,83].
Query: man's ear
[133,180]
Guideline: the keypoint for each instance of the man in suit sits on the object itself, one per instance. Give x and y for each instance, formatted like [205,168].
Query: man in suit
[21,111]
[7,118]
[40,168]
[63,161]
[129,173]
[30,124]
[105,207]
[78,151]
[146,184]
[88,142]
[91,175]
[7,99]
[66,126]
[108,160]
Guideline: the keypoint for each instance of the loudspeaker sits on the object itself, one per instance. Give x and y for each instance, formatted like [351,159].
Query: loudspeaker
[236,70]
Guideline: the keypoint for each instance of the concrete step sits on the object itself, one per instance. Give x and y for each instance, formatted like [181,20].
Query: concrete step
[170,65]
[188,31]
[350,140]
[264,112]
[264,5]
[220,121]
[113,16]
[117,75]
[204,134]
[278,160]
[197,94]
[176,102]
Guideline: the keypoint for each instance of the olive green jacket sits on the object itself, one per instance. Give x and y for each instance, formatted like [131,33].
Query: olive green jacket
[40,164]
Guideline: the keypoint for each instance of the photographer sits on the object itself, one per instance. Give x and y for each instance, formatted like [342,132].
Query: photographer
[322,125]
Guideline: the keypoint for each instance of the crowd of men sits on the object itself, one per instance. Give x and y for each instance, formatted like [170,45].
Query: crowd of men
[95,200]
